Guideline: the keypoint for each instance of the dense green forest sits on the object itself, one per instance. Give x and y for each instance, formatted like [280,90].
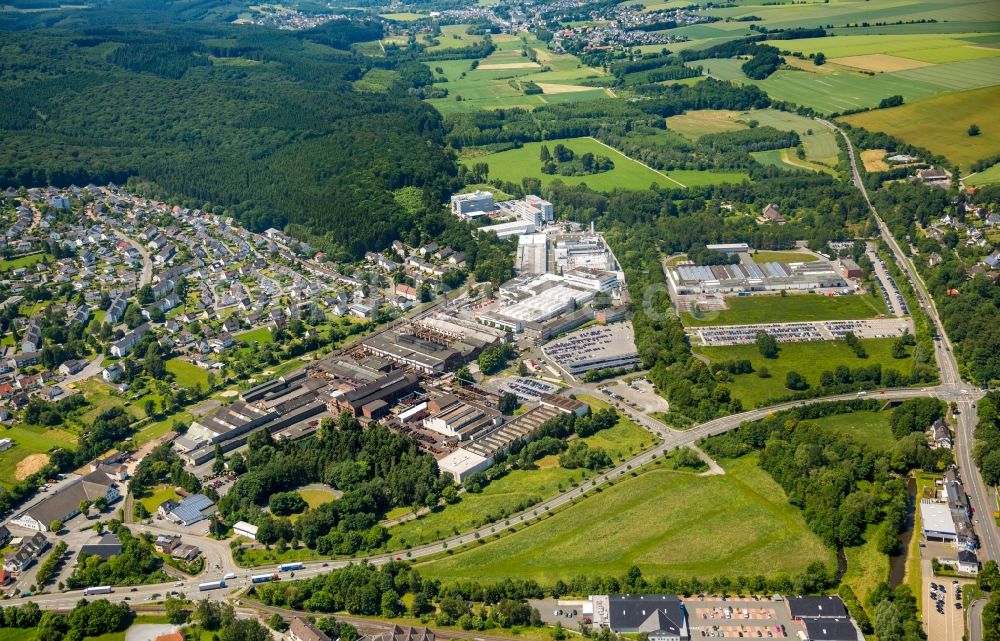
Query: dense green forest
[273,113]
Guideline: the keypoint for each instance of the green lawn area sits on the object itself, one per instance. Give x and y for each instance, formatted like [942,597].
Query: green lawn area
[18,634]
[404,16]
[870,428]
[745,310]
[516,488]
[160,493]
[808,359]
[941,124]
[156,430]
[659,521]
[187,374]
[23,261]
[766,256]
[260,335]
[866,567]
[314,497]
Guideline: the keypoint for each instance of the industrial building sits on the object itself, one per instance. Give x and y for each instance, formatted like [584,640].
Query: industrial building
[748,276]
[535,299]
[587,251]
[455,418]
[418,353]
[530,209]
[506,230]
[385,389]
[64,503]
[472,205]
[482,451]
[532,254]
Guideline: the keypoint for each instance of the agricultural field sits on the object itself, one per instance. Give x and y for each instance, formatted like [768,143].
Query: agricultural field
[561,77]
[869,428]
[518,488]
[837,91]
[990,176]
[515,164]
[808,359]
[694,124]
[599,536]
[819,142]
[791,308]
[919,48]
[941,124]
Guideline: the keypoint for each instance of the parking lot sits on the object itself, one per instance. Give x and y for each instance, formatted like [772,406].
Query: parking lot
[527,390]
[943,621]
[717,335]
[611,346]
[640,394]
[754,618]
[887,286]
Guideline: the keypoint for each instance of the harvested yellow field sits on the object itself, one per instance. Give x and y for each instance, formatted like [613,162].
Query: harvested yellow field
[548,87]
[694,124]
[510,65]
[879,62]
[874,160]
[29,465]
[809,65]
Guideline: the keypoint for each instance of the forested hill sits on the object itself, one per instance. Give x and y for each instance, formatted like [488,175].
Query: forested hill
[260,122]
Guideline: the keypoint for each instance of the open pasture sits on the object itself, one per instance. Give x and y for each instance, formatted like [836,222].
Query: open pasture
[519,487]
[808,359]
[756,531]
[694,124]
[515,164]
[990,176]
[941,124]
[869,428]
[819,142]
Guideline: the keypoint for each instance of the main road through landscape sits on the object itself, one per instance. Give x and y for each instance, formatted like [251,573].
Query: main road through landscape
[983,502]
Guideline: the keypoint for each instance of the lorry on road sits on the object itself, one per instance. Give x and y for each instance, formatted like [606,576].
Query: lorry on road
[288,567]
[97,589]
[211,585]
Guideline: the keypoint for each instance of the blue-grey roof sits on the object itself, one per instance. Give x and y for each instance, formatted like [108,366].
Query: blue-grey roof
[191,509]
